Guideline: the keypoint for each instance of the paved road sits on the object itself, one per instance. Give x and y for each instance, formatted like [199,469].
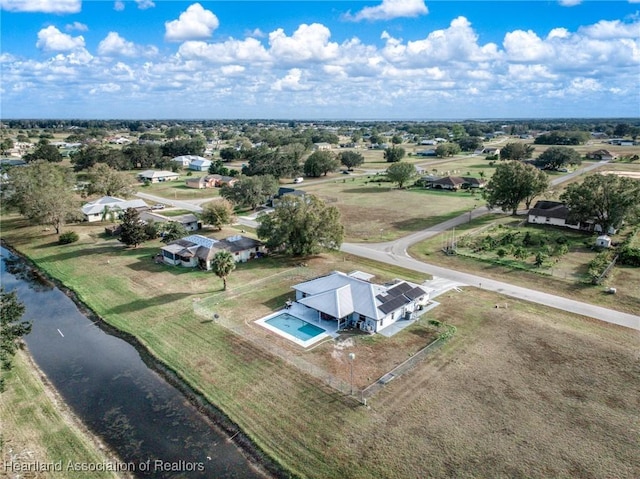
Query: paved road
[189,205]
[395,252]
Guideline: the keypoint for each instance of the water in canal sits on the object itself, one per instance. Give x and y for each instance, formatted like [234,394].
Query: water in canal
[148,422]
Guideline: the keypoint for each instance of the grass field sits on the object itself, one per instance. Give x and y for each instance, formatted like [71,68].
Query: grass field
[564,277]
[518,392]
[177,190]
[377,212]
[36,426]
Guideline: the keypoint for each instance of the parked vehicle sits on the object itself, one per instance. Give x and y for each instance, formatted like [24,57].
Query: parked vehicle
[158,206]
[299,179]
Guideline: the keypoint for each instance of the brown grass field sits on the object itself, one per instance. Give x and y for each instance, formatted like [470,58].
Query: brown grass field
[520,391]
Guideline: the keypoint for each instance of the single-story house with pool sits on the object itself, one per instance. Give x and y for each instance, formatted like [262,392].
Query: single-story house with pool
[198,251]
[353,301]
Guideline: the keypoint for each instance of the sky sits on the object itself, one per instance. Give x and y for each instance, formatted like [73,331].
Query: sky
[322,60]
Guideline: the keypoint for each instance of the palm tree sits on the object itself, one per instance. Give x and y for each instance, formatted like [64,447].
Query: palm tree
[223,263]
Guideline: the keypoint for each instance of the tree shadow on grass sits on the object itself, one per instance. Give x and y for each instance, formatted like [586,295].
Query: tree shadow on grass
[279,301]
[79,252]
[383,188]
[418,224]
[140,304]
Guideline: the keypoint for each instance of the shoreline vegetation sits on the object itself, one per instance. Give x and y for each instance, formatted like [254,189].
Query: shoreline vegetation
[39,429]
[526,368]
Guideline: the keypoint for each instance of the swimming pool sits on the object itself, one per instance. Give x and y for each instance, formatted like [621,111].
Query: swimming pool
[294,329]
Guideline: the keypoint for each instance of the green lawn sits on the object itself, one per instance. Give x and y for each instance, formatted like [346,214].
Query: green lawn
[36,428]
[409,428]
[373,211]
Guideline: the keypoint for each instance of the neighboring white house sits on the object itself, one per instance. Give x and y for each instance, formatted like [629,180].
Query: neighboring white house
[556,213]
[353,301]
[186,160]
[95,210]
[155,176]
[198,250]
[200,165]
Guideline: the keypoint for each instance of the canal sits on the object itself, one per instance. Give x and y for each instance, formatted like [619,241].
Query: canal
[148,422]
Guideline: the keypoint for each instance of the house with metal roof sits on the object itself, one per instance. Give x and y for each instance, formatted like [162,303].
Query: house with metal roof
[198,251]
[155,176]
[110,206]
[353,301]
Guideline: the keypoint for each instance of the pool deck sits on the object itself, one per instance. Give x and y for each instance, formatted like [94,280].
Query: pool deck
[305,314]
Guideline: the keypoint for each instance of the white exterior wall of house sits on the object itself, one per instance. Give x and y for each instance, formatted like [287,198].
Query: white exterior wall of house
[545,220]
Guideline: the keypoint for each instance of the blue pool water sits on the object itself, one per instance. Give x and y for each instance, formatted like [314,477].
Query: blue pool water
[295,326]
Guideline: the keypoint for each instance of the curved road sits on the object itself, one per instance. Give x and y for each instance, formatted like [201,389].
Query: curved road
[395,252]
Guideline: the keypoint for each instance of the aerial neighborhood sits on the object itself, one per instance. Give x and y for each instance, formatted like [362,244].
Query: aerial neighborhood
[339,258]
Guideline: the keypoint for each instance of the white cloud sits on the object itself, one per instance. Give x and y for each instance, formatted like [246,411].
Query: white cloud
[522,46]
[230,51]
[605,29]
[193,24]
[114,45]
[51,39]
[390,9]
[308,42]
[80,27]
[291,82]
[144,4]
[118,5]
[43,6]
[457,43]
[230,70]
[569,3]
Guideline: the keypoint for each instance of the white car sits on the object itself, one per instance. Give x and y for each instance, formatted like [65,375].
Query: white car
[299,179]
[158,206]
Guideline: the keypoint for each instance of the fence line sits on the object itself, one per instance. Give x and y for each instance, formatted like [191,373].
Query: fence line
[399,370]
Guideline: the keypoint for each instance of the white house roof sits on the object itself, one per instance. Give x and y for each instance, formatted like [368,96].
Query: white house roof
[200,162]
[337,302]
[157,174]
[201,240]
[188,158]
[97,206]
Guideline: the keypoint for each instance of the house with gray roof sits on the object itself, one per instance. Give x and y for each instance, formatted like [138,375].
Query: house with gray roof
[198,251]
[353,301]
[155,176]
[110,206]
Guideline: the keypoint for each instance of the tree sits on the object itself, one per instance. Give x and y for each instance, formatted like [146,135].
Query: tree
[301,226]
[447,149]
[132,229]
[351,159]
[217,168]
[171,231]
[175,148]
[42,192]
[469,143]
[44,151]
[250,191]
[396,139]
[143,156]
[401,173]
[320,163]
[6,145]
[606,200]
[217,213]
[558,157]
[394,154]
[279,162]
[230,153]
[104,180]
[516,151]
[514,182]
[222,264]
[11,329]
[92,155]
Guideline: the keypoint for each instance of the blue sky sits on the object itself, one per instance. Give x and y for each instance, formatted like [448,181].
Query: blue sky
[384,59]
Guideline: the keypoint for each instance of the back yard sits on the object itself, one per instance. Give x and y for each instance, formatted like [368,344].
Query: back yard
[519,391]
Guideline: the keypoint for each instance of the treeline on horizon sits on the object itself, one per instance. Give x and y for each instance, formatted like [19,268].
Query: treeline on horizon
[515,126]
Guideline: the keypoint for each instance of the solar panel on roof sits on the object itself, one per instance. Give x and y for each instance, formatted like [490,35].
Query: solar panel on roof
[415,293]
[201,240]
[399,289]
[393,304]
[382,298]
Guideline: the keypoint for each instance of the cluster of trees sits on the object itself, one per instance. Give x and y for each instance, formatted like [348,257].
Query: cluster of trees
[558,157]
[351,159]
[563,138]
[320,163]
[12,328]
[282,162]
[607,200]
[401,173]
[447,149]
[251,191]
[516,151]
[513,183]
[301,226]
[135,156]
[394,154]
[44,151]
